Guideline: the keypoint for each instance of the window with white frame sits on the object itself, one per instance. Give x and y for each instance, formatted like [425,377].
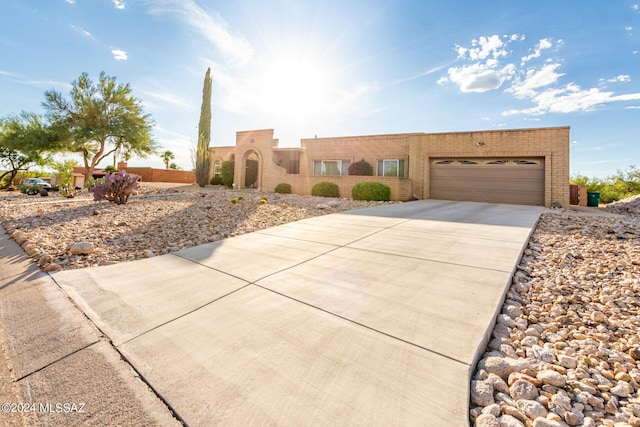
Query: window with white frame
[391,167]
[331,167]
[217,166]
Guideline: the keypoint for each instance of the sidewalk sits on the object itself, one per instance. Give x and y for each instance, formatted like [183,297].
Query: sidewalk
[54,360]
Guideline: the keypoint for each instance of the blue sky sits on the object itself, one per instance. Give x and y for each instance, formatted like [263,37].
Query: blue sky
[343,67]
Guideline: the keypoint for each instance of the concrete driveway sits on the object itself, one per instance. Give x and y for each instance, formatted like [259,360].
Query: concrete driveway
[370,317]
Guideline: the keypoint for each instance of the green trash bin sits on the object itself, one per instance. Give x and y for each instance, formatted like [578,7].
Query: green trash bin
[593,199]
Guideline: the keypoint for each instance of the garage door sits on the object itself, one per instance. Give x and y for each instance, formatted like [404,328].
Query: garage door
[499,180]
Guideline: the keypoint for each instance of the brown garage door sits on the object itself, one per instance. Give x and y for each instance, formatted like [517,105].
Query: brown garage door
[505,180]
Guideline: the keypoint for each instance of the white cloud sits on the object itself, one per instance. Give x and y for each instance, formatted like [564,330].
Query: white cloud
[543,44]
[487,67]
[535,79]
[83,32]
[569,99]
[119,55]
[166,97]
[118,4]
[211,25]
[483,71]
[483,48]
[480,77]
[622,78]
[71,1]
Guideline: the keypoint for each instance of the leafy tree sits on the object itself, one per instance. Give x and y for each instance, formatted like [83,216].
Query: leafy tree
[615,187]
[175,167]
[204,134]
[24,142]
[167,156]
[110,169]
[64,170]
[100,119]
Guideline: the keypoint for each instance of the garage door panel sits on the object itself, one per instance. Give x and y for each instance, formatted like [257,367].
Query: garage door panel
[495,183]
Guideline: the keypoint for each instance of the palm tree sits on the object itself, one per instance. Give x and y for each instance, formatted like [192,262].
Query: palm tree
[167,156]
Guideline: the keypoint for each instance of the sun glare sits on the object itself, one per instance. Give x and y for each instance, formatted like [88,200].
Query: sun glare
[297,86]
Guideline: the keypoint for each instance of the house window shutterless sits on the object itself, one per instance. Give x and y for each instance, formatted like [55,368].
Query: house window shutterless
[391,167]
[331,167]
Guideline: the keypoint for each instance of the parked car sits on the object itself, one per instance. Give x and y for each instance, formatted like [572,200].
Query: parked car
[37,181]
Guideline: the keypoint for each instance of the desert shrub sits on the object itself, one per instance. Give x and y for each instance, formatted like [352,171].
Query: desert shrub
[116,188]
[325,189]
[90,182]
[283,188]
[110,169]
[371,191]
[621,185]
[68,191]
[234,201]
[226,173]
[30,189]
[361,167]
[216,180]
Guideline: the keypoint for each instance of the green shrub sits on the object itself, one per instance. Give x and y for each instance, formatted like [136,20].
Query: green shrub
[90,182]
[226,173]
[621,185]
[361,167]
[234,201]
[216,180]
[30,189]
[371,191]
[325,189]
[68,191]
[283,188]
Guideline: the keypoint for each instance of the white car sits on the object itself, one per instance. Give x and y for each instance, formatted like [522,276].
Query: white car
[38,181]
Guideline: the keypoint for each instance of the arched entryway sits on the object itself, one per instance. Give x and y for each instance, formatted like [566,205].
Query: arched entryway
[249,174]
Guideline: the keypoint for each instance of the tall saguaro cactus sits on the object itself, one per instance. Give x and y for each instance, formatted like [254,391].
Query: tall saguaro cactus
[203,164]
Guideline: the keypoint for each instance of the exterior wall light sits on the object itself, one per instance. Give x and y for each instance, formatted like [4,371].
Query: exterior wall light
[480,143]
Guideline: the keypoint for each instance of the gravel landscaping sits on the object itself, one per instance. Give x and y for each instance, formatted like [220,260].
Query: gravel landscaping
[565,350]
[60,233]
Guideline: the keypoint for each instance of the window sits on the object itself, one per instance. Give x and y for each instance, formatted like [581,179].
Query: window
[216,168]
[391,167]
[331,167]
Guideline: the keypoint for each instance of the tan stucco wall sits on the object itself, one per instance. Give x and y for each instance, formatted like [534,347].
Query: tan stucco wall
[417,149]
